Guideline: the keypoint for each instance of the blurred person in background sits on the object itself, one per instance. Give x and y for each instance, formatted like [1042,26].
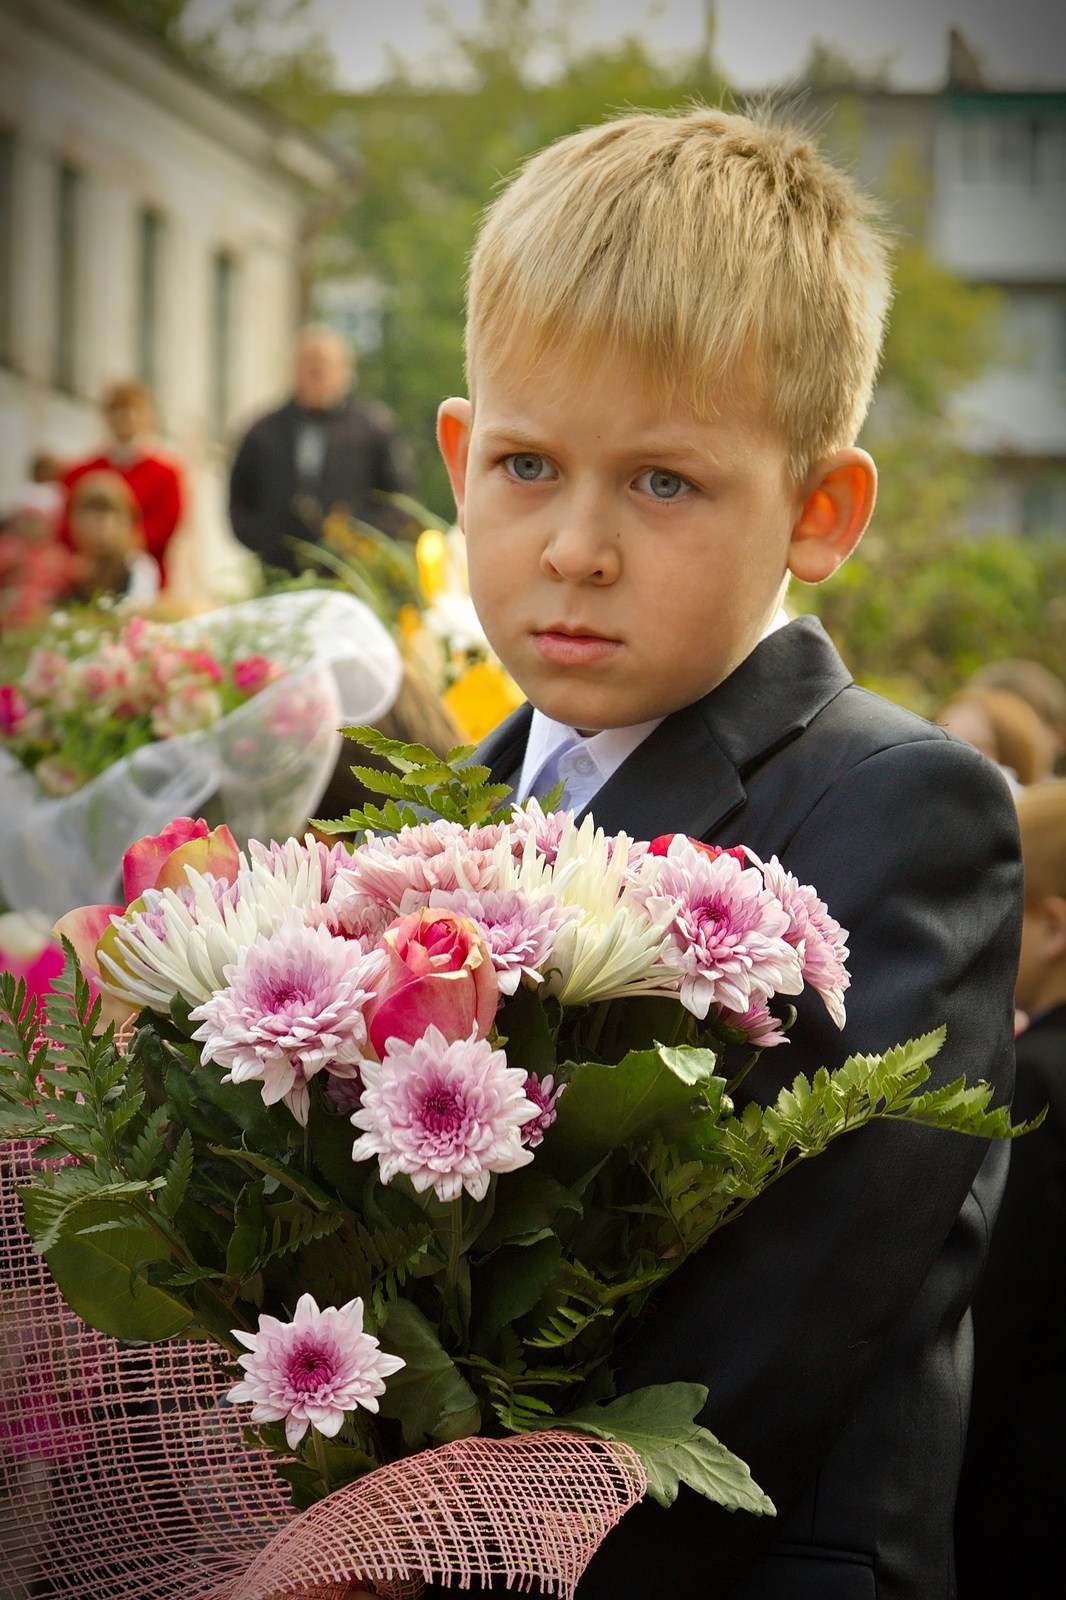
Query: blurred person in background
[36,569]
[106,535]
[1003,727]
[1013,1484]
[1038,687]
[153,477]
[325,450]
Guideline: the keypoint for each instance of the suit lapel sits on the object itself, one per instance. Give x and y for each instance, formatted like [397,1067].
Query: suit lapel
[688,775]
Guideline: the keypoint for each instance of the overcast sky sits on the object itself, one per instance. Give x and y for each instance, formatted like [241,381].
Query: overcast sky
[759,42]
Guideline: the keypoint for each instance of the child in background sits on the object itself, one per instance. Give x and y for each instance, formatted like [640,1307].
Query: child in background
[673,328]
[1005,728]
[1013,1484]
[105,532]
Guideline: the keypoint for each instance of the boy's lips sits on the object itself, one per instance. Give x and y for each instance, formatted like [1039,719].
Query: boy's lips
[561,646]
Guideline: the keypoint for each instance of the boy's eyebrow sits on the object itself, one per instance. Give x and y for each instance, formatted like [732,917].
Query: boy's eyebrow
[673,446]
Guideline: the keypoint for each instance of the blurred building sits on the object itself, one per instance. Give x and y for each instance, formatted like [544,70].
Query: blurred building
[152,225]
[994,212]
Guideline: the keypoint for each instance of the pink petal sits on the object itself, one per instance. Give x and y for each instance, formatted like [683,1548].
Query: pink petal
[142,862]
[85,927]
[217,854]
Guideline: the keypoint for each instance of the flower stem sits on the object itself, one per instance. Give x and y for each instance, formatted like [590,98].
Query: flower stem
[320,1458]
[454,1257]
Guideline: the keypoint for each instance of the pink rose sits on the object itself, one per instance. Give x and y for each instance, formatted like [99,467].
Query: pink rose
[253,673]
[155,862]
[661,847]
[440,972]
[13,709]
[158,861]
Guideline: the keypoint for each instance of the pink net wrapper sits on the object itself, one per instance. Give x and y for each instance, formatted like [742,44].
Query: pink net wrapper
[124,1475]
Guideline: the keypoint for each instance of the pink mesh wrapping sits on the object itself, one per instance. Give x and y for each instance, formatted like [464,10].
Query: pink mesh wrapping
[124,1476]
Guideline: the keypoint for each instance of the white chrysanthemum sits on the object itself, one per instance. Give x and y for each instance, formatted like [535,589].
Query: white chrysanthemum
[181,941]
[614,946]
[293,1005]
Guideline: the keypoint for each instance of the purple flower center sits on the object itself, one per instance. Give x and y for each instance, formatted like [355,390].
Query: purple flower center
[309,1367]
[442,1112]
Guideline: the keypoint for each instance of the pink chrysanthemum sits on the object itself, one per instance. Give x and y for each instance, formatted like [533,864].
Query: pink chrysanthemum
[758,1022]
[520,930]
[351,915]
[293,1007]
[546,827]
[545,1096]
[817,937]
[313,1370]
[447,1115]
[726,930]
[433,855]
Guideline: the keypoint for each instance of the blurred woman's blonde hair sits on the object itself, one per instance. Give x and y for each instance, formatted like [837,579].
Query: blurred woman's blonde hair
[1042,818]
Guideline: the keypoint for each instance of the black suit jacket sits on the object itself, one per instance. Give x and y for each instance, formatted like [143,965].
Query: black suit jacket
[830,1323]
[1013,1486]
[267,502]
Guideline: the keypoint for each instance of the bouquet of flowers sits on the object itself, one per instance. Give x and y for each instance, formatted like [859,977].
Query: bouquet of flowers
[415,1130]
[108,735]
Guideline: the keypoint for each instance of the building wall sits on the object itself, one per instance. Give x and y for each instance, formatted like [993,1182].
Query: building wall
[142,136]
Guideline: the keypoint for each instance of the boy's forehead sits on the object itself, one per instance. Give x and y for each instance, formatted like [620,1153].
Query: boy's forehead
[530,391]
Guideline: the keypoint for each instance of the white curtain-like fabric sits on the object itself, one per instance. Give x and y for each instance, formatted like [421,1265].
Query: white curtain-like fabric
[261,769]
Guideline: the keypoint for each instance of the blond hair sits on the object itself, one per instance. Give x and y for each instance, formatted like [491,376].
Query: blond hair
[1042,817]
[691,243]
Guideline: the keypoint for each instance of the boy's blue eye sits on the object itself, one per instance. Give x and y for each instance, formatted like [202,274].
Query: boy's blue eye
[527,466]
[663,485]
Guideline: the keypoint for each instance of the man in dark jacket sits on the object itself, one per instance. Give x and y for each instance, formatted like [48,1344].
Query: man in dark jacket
[325,450]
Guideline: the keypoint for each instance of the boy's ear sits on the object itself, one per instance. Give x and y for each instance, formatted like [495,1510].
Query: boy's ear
[453,438]
[1050,916]
[838,502]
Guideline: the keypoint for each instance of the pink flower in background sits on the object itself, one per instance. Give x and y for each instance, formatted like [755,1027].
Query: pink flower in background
[313,1370]
[726,930]
[818,937]
[439,971]
[58,777]
[253,673]
[191,707]
[13,709]
[520,931]
[545,1096]
[293,1007]
[447,1113]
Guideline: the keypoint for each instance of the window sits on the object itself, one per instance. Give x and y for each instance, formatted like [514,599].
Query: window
[7,237]
[68,207]
[149,294]
[223,295]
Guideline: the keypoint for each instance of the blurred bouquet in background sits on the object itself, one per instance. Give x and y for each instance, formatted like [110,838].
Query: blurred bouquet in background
[107,735]
[420,590]
[83,702]
[414,1131]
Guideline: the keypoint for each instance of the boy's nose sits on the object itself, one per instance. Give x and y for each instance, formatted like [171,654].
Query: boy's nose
[583,546]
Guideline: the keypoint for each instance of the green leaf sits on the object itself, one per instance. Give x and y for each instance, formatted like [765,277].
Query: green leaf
[659,1423]
[95,1273]
[429,1396]
[294,1181]
[511,1284]
[528,1207]
[606,1107]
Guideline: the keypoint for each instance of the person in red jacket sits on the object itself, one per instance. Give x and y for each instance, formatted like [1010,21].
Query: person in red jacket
[153,478]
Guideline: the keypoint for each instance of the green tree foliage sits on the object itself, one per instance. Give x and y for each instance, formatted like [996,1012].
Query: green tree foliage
[432,160]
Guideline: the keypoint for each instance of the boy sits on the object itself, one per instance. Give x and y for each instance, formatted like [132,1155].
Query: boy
[1007,1522]
[673,331]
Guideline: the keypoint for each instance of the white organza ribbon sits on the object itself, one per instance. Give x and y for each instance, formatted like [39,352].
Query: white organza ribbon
[265,764]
